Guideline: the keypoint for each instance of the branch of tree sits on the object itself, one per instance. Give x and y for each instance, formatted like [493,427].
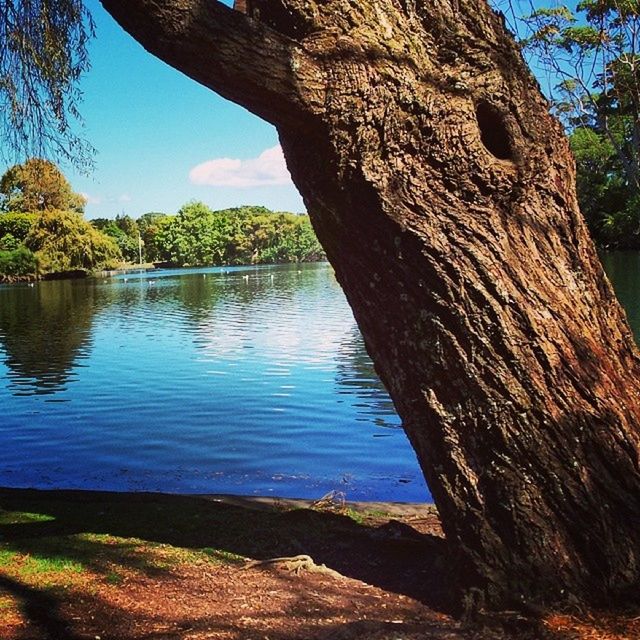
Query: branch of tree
[235,55]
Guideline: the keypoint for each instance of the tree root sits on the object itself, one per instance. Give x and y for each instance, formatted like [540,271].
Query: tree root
[294,564]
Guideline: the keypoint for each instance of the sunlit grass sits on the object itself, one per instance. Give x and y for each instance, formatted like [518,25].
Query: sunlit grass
[20,517]
[80,560]
[37,566]
[7,557]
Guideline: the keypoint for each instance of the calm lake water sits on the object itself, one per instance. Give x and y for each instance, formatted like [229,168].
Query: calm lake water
[243,380]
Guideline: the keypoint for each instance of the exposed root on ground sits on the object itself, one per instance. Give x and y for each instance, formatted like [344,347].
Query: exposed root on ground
[294,564]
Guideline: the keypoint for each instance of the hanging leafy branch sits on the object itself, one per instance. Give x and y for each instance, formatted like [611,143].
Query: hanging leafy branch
[43,53]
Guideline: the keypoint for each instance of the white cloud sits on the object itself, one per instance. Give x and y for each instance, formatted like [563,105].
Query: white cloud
[125,197]
[91,199]
[268,169]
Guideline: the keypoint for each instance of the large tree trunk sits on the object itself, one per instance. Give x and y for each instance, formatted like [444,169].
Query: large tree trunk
[443,193]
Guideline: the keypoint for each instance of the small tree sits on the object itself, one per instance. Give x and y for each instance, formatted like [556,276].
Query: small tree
[150,226]
[124,231]
[196,236]
[16,224]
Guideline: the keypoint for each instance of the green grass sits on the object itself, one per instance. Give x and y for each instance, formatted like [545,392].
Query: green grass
[17,517]
[219,556]
[361,517]
[7,557]
[114,578]
[73,544]
[34,566]
[48,559]
[70,538]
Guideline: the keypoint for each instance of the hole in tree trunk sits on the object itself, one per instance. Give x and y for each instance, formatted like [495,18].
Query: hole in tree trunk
[493,132]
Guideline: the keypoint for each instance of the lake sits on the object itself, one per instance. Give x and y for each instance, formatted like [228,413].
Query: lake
[235,380]
[220,380]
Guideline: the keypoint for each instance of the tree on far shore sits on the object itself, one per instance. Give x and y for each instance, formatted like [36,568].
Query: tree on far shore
[38,185]
[64,241]
[42,230]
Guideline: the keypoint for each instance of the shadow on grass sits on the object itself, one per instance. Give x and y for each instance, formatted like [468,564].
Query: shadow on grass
[100,530]
[40,608]
[398,560]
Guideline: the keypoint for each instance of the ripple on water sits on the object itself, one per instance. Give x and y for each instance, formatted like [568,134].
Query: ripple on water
[203,380]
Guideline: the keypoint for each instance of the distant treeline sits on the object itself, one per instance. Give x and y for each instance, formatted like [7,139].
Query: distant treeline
[199,236]
[43,231]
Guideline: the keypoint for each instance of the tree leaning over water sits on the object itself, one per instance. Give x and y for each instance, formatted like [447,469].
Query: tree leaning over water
[443,194]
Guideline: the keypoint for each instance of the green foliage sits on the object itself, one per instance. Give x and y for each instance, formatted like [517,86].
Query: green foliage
[57,239]
[16,224]
[595,59]
[601,189]
[124,232]
[242,235]
[37,185]
[128,225]
[195,237]
[64,241]
[18,262]
[9,242]
[43,52]
[150,226]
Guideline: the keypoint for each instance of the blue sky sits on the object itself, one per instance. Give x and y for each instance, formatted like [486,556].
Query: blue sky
[152,127]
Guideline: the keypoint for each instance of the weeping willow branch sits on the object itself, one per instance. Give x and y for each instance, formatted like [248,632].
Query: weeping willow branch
[43,53]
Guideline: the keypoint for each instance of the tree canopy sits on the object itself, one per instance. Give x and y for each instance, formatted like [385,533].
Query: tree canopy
[242,235]
[42,230]
[593,52]
[63,241]
[38,185]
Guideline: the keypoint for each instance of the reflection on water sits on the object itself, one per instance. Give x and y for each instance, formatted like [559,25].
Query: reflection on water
[246,380]
[355,374]
[44,331]
[240,379]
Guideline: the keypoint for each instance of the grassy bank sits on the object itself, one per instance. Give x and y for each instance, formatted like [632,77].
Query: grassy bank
[77,565]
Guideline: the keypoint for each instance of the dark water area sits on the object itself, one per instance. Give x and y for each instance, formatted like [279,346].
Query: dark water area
[623,269]
[237,380]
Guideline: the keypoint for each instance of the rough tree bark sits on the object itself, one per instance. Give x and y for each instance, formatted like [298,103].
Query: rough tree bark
[443,193]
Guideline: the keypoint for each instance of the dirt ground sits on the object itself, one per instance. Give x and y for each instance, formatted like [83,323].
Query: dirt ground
[104,566]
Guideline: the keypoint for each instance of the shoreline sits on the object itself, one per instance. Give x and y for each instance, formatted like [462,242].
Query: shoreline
[254,502]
